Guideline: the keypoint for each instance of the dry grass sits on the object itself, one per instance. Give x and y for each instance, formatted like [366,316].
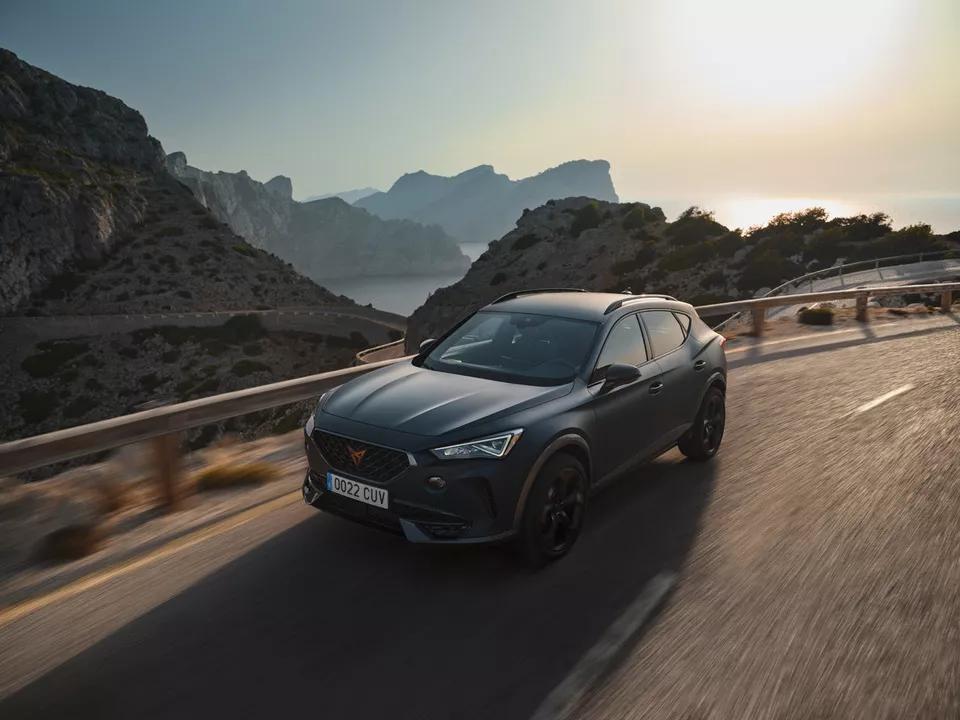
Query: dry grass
[235,473]
[70,543]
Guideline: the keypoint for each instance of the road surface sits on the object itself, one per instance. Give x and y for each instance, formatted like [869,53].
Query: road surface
[816,563]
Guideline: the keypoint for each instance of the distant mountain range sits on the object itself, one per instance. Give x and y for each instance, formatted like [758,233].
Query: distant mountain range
[348,196]
[326,238]
[480,205]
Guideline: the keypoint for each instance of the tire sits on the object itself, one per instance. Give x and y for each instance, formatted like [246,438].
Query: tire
[702,440]
[553,516]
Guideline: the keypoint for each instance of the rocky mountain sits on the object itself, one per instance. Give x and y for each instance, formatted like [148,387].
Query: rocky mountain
[348,196]
[480,205]
[580,242]
[326,238]
[93,227]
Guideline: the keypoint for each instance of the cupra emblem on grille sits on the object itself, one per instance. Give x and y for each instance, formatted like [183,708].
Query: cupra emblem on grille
[356,455]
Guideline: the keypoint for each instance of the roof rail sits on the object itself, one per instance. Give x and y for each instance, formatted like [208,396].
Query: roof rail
[518,293]
[632,298]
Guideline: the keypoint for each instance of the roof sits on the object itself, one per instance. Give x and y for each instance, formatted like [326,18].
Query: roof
[572,304]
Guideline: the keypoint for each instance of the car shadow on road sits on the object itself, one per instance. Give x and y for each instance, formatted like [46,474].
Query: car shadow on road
[339,621]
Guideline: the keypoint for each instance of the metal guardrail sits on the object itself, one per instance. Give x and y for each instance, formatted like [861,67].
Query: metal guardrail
[361,357]
[162,422]
[847,268]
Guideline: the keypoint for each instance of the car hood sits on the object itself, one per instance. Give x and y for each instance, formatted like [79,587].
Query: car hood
[415,400]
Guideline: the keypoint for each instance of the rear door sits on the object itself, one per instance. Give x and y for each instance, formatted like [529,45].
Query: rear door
[627,423]
[667,335]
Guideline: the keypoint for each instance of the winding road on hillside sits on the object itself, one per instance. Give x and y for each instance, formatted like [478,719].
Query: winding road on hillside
[815,564]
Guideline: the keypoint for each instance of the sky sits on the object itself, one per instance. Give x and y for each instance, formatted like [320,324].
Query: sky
[753,103]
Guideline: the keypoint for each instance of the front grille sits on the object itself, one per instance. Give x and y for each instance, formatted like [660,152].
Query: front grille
[373,462]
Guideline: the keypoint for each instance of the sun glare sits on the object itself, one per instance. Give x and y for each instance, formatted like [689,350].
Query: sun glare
[775,53]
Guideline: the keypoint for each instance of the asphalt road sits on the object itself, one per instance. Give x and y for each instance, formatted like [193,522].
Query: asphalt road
[817,563]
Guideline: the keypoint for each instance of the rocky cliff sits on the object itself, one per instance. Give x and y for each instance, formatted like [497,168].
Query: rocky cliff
[74,163]
[480,205]
[324,238]
[92,224]
[579,242]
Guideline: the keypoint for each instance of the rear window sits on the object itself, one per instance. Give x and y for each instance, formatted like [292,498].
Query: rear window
[664,331]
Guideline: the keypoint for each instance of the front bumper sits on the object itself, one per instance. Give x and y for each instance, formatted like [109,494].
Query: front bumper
[477,503]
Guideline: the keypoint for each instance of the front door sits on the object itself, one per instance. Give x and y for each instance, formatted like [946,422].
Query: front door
[628,415]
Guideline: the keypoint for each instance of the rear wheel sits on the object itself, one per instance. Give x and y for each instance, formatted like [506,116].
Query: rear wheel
[553,515]
[702,440]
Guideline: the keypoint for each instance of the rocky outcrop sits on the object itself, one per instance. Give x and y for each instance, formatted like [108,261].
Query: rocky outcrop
[73,163]
[583,243]
[325,238]
[480,205]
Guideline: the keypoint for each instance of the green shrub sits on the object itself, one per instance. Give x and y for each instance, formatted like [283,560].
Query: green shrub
[290,422]
[816,316]
[62,285]
[636,217]
[728,244]
[52,357]
[80,406]
[585,218]
[210,385]
[245,250]
[242,368]
[684,258]
[717,278]
[36,406]
[525,241]
[150,381]
[766,268]
[694,226]
[643,257]
[169,231]
[171,355]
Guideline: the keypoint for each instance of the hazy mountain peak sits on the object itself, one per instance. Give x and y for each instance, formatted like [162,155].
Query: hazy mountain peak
[281,186]
[480,204]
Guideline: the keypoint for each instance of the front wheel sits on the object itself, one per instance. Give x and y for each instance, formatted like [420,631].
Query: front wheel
[554,511]
[702,440]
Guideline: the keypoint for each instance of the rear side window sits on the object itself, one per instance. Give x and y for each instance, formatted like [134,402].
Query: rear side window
[624,345]
[684,321]
[664,330]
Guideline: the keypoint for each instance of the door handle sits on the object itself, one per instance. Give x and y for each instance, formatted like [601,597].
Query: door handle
[656,387]
[699,364]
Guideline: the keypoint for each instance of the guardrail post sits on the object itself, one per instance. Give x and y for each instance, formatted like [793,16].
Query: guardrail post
[862,308]
[757,315]
[946,300]
[166,459]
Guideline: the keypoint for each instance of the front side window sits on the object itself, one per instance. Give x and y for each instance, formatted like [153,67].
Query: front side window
[624,345]
[665,331]
[515,347]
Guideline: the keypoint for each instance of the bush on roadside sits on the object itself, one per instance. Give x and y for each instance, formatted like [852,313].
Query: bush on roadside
[816,316]
[233,473]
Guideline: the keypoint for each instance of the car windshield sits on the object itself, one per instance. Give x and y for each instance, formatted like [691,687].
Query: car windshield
[515,347]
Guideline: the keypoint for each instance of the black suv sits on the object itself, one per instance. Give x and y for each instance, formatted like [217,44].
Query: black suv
[503,427]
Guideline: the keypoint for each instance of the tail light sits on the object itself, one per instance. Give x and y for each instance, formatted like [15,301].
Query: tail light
[723,341]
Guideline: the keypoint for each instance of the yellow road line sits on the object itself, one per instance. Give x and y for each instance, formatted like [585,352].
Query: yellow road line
[15,612]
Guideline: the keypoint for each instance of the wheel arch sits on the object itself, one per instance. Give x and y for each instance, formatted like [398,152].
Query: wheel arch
[570,442]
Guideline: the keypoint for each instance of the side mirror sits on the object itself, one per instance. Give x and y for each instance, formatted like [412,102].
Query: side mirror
[426,345]
[620,374]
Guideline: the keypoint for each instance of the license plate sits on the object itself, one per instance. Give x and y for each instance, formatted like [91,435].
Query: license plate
[368,494]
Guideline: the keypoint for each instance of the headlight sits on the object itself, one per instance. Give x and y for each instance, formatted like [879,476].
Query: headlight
[308,429]
[495,446]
